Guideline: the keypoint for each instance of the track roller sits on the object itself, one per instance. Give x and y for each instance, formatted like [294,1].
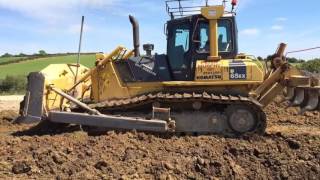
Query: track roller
[242,119]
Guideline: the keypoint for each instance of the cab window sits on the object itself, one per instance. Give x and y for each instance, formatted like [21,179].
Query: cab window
[224,37]
[182,38]
[179,44]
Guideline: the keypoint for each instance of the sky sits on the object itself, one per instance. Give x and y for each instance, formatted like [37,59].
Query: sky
[26,26]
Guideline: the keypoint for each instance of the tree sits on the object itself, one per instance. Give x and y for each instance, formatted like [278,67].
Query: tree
[311,66]
[269,57]
[260,58]
[42,53]
[22,55]
[6,55]
[13,84]
[289,59]
[292,60]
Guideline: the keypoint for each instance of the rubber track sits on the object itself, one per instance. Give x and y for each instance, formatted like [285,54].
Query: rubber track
[137,101]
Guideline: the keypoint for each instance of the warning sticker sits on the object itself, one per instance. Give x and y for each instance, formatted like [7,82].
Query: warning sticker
[208,71]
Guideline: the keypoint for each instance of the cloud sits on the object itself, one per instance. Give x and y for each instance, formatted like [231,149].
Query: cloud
[281,19]
[53,10]
[277,27]
[250,32]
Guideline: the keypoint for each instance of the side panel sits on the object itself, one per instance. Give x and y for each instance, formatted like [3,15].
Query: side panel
[107,82]
[208,71]
[144,69]
[228,71]
[108,85]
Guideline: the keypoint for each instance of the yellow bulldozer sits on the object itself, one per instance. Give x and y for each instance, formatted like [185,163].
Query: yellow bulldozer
[202,85]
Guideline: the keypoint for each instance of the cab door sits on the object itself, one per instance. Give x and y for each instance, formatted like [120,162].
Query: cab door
[178,49]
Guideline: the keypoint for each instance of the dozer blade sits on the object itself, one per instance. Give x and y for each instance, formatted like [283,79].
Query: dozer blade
[109,121]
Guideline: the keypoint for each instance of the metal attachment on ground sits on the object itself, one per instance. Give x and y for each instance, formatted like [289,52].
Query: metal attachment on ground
[171,125]
[161,113]
[307,98]
[75,101]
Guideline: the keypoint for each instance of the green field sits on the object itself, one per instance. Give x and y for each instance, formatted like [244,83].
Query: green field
[8,59]
[23,68]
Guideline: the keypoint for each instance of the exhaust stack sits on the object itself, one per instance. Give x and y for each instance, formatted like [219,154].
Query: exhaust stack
[136,36]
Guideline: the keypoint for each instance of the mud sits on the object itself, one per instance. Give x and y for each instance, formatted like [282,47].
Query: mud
[289,150]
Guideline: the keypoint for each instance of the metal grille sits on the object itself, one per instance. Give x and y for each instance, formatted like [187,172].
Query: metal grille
[182,8]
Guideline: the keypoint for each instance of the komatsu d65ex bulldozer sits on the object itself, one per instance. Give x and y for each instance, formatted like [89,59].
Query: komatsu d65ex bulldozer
[202,85]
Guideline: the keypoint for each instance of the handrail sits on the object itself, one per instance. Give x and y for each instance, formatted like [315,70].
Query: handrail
[109,57]
[183,8]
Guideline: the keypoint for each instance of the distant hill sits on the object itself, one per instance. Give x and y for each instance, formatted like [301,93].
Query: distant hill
[16,67]
[17,59]
[8,60]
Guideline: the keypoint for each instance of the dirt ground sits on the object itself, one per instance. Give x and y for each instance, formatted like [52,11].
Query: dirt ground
[10,102]
[289,150]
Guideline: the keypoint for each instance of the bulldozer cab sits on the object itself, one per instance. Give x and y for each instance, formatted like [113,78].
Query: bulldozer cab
[189,39]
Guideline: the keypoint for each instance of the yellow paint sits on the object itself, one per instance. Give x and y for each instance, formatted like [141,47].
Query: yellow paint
[100,56]
[220,71]
[129,54]
[214,50]
[112,55]
[62,77]
[215,83]
[208,70]
[106,83]
[213,13]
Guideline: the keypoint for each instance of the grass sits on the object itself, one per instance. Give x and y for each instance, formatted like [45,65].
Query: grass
[24,68]
[8,59]
[296,64]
